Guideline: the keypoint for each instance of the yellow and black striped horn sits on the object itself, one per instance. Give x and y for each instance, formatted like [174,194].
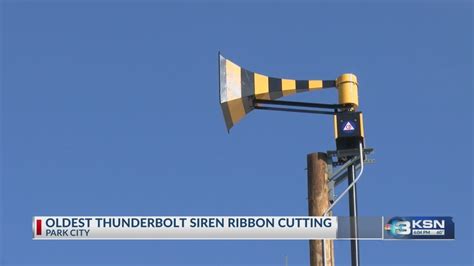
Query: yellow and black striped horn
[239,88]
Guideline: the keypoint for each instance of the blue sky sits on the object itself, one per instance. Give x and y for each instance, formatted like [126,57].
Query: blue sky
[112,109]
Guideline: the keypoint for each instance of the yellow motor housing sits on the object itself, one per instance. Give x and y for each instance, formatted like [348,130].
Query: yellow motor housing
[348,89]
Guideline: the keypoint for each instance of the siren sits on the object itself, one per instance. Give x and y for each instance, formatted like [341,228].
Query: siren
[240,89]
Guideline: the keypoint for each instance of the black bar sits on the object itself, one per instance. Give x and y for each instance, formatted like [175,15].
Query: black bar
[293,110]
[329,84]
[301,104]
[353,213]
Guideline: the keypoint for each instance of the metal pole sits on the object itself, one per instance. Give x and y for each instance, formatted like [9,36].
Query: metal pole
[353,213]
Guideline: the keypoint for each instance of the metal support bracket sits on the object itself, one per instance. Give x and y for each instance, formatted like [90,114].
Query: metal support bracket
[341,173]
[340,157]
[300,107]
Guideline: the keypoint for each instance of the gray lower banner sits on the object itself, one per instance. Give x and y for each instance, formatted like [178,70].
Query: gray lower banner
[206,227]
[368,227]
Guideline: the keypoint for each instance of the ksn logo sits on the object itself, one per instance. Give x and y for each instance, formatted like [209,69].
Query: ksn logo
[420,228]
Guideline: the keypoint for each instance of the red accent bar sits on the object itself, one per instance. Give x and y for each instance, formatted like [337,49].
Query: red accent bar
[38,227]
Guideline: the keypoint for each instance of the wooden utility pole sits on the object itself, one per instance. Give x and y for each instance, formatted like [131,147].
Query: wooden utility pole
[318,203]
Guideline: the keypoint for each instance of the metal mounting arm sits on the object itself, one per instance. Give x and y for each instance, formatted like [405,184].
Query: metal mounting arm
[270,105]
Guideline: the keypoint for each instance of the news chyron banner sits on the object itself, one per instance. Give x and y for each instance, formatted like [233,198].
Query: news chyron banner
[184,227]
[239,227]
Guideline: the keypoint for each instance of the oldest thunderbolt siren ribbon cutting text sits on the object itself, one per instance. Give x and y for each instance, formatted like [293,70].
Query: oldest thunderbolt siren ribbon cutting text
[183,227]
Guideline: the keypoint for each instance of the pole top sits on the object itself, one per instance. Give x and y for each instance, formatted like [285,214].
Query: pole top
[347,77]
